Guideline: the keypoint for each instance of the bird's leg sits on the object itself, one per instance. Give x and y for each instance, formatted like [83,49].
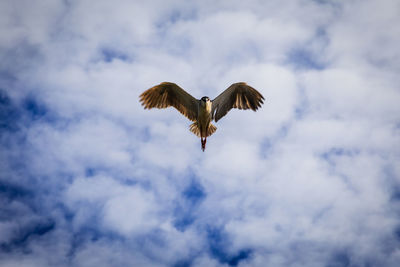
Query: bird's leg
[203,144]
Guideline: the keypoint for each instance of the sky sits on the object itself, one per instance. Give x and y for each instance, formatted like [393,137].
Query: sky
[90,178]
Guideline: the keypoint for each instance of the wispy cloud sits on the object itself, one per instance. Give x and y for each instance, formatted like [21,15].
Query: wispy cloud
[89,178]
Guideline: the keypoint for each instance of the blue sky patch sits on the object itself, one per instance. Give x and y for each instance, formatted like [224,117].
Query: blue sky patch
[301,58]
[34,108]
[194,193]
[26,233]
[219,241]
[185,210]
[109,55]
[340,259]
[9,113]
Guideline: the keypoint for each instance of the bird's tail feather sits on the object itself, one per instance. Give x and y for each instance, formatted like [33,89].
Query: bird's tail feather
[211,129]
[194,128]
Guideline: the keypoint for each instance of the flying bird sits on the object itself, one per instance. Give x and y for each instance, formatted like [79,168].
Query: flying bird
[202,111]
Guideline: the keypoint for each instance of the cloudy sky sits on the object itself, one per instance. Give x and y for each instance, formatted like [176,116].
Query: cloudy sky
[90,178]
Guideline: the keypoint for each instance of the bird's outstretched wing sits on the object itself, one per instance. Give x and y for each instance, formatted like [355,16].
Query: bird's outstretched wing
[238,95]
[170,94]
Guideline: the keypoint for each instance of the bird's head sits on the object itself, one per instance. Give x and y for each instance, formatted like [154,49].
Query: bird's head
[205,99]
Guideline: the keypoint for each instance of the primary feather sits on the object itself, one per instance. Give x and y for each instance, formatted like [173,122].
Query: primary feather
[238,95]
[170,94]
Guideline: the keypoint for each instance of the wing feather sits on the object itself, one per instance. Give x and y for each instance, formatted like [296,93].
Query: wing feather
[168,94]
[238,95]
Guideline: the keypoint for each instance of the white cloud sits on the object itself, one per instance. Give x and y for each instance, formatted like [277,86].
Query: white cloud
[132,211]
[126,210]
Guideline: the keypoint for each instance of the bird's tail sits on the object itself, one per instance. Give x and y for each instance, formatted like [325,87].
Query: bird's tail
[211,129]
[194,128]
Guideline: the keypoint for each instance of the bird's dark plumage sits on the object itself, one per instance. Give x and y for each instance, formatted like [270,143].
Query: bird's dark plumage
[170,94]
[238,95]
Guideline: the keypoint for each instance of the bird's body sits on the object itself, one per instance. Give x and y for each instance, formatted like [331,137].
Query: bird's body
[203,111]
[203,122]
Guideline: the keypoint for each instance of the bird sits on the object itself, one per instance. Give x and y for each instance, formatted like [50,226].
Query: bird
[202,111]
